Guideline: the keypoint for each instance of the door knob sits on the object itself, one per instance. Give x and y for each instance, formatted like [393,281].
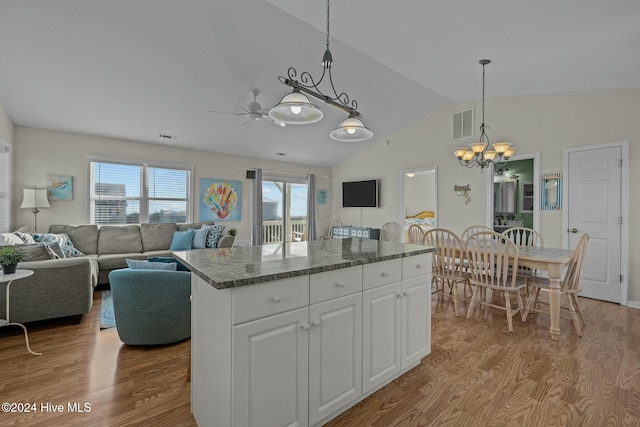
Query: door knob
[574,230]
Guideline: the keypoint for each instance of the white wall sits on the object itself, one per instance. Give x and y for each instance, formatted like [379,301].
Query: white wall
[542,123]
[38,152]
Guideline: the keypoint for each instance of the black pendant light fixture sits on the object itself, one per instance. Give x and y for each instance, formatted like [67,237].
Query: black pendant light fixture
[295,108]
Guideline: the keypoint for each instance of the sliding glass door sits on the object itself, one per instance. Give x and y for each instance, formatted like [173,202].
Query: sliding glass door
[284,209]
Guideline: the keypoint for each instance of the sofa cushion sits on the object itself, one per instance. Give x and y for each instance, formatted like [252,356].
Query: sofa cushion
[84,237]
[181,240]
[34,252]
[119,239]
[156,237]
[187,226]
[136,264]
[200,238]
[168,259]
[113,261]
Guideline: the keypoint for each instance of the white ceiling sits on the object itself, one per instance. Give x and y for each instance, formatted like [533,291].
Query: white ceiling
[135,69]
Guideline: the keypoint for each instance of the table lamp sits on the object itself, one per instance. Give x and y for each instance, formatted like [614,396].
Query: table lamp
[35,198]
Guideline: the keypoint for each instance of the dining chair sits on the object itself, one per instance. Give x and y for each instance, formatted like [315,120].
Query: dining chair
[390,232]
[569,288]
[445,273]
[524,236]
[416,234]
[474,229]
[491,258]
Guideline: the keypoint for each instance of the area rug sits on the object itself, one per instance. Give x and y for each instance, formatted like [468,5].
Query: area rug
[107,319]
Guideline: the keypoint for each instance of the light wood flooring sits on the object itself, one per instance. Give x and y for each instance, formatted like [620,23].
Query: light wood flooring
[477,375]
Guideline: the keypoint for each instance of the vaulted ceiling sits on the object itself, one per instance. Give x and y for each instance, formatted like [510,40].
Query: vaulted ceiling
[136,69]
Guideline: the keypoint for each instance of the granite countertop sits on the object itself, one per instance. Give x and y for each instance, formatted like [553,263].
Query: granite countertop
[241,266]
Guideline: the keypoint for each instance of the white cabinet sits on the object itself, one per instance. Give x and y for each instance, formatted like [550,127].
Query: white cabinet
[335,355]
[270,371]
[381,335]
[298,351]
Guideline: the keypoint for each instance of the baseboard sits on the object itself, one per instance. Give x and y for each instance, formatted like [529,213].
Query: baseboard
[633,304]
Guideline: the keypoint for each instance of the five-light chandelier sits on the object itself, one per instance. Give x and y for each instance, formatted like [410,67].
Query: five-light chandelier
[295,108]
[478,154]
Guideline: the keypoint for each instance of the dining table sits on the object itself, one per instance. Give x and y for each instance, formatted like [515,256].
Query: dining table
[551,260]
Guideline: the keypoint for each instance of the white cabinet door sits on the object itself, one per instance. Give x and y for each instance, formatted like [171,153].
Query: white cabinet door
[335,355]
[381,335]
[416,319]
[270,371]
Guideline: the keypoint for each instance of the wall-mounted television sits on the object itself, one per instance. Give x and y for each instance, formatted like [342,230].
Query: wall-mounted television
[360,194]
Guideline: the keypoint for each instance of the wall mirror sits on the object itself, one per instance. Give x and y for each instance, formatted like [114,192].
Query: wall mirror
[550,195]
[418,199]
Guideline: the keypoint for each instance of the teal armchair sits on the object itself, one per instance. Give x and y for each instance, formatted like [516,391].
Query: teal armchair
[151,306]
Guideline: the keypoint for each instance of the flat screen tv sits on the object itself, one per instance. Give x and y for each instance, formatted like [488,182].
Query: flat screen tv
[360,194]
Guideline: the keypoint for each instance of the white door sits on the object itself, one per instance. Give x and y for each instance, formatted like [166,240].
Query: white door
[594,194]
[335,355]
[416,319]
[270,371]
[381,335]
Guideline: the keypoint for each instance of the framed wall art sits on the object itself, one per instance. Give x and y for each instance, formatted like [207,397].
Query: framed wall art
[219,200]
[60,187]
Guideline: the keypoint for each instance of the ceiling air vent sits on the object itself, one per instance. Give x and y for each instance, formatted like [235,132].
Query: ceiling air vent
[167,136]
[463,124]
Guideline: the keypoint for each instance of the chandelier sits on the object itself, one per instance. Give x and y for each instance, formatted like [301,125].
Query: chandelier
[295,107]
[478,154]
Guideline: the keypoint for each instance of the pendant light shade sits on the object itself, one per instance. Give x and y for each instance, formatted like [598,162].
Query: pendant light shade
[296,109]
[351,130]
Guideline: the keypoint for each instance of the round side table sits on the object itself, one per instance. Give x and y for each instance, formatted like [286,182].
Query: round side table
[9,279]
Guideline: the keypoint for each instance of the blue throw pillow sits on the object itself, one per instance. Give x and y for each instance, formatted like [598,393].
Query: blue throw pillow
[181,240]
[168,259]
[199,238]
[137,264]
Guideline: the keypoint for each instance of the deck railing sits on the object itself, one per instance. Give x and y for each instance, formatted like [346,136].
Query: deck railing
[272,231]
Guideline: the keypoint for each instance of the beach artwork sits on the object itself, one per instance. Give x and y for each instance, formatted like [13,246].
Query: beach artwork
[60,187]
[220,200]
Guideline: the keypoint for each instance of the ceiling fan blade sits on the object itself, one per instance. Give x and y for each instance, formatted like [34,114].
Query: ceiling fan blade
[227,112]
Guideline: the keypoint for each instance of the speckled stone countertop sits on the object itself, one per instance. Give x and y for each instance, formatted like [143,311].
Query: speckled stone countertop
[241,266]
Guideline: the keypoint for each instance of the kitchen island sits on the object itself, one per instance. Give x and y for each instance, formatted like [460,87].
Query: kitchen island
[295,334]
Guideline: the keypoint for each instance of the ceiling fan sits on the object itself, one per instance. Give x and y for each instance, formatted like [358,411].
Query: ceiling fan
[253,111]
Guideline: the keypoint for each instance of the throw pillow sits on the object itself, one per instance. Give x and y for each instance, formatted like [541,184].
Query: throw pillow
[63,240]
[27,238]
[136,264]
[34,252]
[199,238]
[10,239]
[181,240]
[54,250]
[168,259]
[215,231]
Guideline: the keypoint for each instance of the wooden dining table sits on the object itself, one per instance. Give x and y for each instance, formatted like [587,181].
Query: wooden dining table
[551,260]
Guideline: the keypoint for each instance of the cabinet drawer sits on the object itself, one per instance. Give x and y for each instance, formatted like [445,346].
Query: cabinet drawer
[336,283]
[381,273]
[416,265]
[264,299]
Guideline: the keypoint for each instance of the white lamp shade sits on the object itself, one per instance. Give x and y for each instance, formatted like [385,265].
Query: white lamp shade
[35,198]
[351,130]
[296,109]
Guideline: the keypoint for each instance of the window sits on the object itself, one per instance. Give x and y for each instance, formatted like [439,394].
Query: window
[5,186]
[133,193]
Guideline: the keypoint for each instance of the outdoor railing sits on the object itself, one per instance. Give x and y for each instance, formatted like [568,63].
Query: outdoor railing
[272,231]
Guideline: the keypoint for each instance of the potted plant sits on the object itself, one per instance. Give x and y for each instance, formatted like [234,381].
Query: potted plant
[10,256]
[233,232]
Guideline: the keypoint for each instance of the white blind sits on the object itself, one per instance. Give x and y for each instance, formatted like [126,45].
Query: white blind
[137,193]
[5,187]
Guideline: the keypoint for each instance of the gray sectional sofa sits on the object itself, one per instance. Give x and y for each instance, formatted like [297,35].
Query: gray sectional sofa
[64,287]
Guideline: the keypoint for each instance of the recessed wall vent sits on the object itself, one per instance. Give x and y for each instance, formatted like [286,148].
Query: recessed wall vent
[462,124]
[167,136]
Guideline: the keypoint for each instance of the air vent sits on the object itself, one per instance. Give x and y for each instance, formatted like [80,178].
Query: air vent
[463,124]
[167,136]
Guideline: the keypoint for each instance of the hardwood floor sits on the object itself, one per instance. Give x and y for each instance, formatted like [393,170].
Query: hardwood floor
[477,374]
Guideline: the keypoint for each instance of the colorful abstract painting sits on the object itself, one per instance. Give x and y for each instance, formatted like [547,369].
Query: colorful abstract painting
[220,200]
[60,187]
